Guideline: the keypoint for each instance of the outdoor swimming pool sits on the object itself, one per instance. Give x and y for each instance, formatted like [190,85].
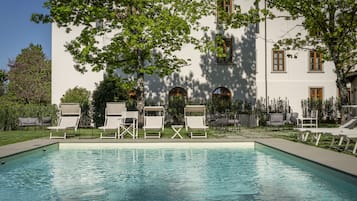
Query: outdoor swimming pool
[168,171]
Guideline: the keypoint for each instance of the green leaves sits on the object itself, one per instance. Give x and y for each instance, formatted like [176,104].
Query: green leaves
[138,30]
[331,27]
[138,36]
[30,76]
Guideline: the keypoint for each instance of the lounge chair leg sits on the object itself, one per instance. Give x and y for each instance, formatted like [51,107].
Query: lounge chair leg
[305,136]
[355,148]
[332,141]
[341,140]
[347,143]
[318,139]
[300,136]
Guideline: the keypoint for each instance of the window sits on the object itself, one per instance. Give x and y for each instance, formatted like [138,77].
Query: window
[226,56]
[225,5]
[221,99]
[178,92]
[315,61]
[224,8]
[316,93]
[278,61]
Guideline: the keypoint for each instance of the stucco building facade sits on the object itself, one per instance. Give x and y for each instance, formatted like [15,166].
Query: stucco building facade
[249,71]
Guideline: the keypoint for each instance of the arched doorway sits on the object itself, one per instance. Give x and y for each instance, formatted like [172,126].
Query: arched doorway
[177,102]
[131,102]
[221,99]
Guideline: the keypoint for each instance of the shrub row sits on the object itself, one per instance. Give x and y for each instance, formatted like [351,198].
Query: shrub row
[10,112]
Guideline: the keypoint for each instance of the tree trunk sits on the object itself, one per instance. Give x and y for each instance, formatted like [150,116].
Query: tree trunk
[140,97]
[341,83]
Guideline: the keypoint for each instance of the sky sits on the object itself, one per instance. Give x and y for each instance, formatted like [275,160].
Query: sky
[17,31]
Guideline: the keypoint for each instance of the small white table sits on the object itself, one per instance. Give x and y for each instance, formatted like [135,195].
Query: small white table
[177,129]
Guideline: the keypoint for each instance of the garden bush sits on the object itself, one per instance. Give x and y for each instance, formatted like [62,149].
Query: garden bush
[329,110]
[10,111]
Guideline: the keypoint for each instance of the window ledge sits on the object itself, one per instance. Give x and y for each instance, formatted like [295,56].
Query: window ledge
[279,72]
[315,71]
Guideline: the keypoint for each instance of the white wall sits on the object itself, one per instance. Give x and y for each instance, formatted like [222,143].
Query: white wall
[293,84]
[64,76]
[203,74]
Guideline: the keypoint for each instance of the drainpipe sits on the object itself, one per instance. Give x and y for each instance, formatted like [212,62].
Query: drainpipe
[266,59]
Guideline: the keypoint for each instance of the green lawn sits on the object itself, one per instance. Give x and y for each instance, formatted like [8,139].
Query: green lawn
[9,137]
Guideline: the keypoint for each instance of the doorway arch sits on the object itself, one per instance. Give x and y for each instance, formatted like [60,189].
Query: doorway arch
[221,99]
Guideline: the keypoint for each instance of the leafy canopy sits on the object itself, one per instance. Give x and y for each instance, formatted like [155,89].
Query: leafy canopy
[137,36]
[76,95]
[331,27]
[30,76]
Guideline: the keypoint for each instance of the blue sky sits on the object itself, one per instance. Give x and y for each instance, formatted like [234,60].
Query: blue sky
[17,31]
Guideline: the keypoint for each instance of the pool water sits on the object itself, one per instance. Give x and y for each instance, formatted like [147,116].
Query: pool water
[179,171]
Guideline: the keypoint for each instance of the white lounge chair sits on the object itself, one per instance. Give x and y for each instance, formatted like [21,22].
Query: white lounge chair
[129,124]
[154,117]
[69,119]
[335,132]
[195,120]
[347,135]
[114,112]
[315,133]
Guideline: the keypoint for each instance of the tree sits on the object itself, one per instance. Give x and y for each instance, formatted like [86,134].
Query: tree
[144,34]
[331,27]
[3,80]
[30,76]
[76,95]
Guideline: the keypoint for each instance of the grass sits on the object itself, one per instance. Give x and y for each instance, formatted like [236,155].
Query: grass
[10,137]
